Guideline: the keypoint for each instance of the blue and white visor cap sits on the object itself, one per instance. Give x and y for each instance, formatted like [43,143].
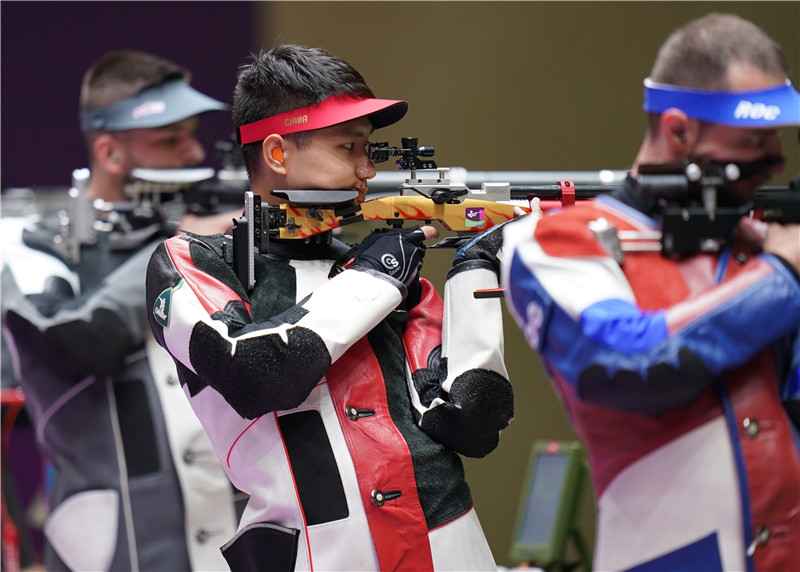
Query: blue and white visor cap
[164,104]
[772,107]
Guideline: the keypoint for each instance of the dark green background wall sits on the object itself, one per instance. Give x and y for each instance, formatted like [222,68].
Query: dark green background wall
[514,86]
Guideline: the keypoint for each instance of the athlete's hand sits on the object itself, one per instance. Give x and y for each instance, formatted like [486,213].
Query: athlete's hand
[398,253]
[784,240]
[485,246]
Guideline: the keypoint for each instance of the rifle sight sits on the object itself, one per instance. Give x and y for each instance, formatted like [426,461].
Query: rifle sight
[409,153]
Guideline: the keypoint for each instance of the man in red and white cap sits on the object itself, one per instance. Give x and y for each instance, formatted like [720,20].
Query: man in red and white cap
[338,399]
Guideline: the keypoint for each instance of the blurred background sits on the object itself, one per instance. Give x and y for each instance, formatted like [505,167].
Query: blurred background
[493,86]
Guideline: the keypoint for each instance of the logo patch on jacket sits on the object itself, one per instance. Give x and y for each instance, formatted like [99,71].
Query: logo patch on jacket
[161,307]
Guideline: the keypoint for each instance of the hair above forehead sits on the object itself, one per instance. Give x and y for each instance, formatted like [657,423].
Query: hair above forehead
[700,54]
[290,77]
[124,73]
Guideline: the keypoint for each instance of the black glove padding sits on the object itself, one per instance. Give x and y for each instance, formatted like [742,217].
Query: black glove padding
[480,405]
[485,246]
[398,253]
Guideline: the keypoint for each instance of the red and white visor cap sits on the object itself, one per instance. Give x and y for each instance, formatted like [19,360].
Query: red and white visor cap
[330,111]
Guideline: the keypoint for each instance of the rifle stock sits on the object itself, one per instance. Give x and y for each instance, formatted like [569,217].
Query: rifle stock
[470,215]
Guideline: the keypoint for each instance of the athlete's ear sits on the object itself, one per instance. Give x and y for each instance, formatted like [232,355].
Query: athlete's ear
[109,153]
[678,131]
[272,153]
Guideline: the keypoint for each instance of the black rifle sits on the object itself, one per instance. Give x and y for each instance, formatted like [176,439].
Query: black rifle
[688,196]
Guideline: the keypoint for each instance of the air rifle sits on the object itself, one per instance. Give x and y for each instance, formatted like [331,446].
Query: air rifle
[688,203]
[157,199]
[426,194]
[124,224]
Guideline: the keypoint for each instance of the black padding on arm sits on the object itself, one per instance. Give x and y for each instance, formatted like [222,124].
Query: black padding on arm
[99,345]
[665,386]
[265,374]
[480,405]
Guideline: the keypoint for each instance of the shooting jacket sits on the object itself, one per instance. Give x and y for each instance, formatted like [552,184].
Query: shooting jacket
[136,485]
[313,389]
[674,373]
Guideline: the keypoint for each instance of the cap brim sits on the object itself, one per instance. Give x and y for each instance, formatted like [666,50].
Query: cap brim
[162,105]
[329,112]
[390,112]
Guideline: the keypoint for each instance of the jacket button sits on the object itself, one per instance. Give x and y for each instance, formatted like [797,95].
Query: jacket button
[759,539]
[379,497]
[355,414]
[751,427]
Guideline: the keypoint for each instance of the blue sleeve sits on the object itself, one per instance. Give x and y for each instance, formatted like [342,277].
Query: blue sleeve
[616,355]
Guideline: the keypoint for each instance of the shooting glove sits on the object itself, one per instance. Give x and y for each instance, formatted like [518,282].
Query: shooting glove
[398,253]
[484,247]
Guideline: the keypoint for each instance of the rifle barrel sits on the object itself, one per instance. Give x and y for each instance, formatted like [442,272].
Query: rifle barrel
[387,182]
[553,192]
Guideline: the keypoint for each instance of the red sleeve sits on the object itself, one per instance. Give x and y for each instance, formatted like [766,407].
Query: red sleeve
[424,330]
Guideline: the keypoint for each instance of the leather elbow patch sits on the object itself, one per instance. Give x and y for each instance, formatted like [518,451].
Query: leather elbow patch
[265,374]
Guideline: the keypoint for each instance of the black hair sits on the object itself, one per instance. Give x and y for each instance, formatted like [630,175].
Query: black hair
[289,77]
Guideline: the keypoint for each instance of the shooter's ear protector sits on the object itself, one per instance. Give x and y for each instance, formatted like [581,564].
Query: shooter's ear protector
[277,154]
